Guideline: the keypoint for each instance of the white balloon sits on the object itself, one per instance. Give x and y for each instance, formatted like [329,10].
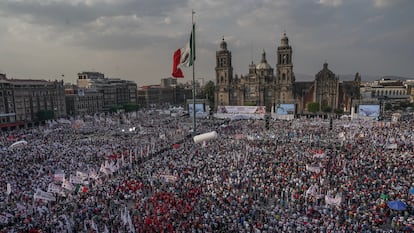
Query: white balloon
[205,137]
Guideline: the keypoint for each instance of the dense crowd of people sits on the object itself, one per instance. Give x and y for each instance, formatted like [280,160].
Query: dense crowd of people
[142,172]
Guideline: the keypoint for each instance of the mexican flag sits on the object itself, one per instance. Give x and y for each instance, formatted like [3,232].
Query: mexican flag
[184,57]
[81,188]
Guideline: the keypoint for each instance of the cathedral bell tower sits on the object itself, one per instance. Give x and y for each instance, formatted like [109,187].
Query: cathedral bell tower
[224,75]
[285,77]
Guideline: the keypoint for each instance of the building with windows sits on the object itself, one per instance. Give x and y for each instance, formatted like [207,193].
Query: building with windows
[80,102]
[169,93]
[168,82]
[21,100]
[410,89]
[87,79]
[261,86]
[116,92]
[386,90]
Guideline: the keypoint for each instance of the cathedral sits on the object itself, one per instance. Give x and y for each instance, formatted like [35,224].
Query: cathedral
[263,86]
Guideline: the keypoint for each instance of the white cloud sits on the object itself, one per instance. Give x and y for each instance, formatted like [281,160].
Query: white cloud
[122,21]
[382,3]
[330,2]
[167,20]
[135,39]
[388,3]
[69,2]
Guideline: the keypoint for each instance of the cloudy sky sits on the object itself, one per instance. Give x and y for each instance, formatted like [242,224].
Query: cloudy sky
[135,39]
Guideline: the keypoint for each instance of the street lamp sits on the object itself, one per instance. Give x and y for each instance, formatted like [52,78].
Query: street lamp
[381,99]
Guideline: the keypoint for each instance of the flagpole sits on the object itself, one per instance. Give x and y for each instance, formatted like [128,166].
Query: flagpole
[193,60]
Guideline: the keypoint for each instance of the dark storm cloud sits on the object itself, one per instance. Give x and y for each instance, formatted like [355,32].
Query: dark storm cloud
[368,36]
[66,13]
[105,25]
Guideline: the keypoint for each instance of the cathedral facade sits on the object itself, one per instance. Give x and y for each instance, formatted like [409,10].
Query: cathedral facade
[262,86]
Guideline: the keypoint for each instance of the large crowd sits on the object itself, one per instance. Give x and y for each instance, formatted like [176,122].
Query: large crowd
[142,172]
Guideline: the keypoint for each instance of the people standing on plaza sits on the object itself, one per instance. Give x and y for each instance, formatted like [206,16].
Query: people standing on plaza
[297,176]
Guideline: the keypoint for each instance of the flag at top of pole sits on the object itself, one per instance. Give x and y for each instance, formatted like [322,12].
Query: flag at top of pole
[184,57]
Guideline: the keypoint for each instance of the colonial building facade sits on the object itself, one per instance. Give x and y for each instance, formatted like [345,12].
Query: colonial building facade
[260,87]
[81,102]
[264,87]
[164,95]
[116,92]
[22,99]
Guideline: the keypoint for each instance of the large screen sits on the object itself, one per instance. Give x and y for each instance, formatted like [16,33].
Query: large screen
[285,109]
[369,110]
[199,108]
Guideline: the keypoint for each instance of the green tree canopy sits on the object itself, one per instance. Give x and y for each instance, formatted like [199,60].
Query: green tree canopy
[313,107]
[43,115]
[339,111]
[388,106]
[115,108]
[130,107]
[327,109]
[209,91]
[249,103]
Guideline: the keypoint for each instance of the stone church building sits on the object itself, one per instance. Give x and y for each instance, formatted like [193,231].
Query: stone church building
[263,86]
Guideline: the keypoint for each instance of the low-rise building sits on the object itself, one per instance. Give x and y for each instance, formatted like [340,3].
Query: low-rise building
[80,102]
[392,90]
[21,100]
[164,95]
[116,92]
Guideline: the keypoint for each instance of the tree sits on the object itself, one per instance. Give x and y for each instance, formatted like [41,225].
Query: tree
[114,109]
[396,107]
[43,115]
[130,107]
[313,107]
[249,103]
[388,106]
[404,104]
[327,109]
[339,111]
[209,91]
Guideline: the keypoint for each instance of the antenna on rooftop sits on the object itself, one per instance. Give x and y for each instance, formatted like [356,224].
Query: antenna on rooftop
[251,51]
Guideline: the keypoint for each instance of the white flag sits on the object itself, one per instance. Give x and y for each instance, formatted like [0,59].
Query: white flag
[93,175]
[312,191]
[41,195]
[329,200]
[59,176]
[130,225]
[315,169]
[9,189]
[93,226]
[67,185]
[83,175]
[54,188]
[74,179]
[124,217]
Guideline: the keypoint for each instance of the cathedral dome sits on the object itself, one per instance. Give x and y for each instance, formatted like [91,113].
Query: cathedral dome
[263,65]
[325,72]
[284,42]
[223,45]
